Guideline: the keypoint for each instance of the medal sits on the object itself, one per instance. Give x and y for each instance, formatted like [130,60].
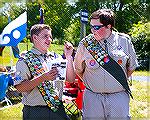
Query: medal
[106,59]
[119,61]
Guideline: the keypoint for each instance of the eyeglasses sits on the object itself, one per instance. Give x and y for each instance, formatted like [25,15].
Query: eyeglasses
[96,27]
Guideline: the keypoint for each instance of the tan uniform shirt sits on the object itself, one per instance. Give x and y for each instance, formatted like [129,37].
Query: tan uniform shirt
[94,76]
[33,97]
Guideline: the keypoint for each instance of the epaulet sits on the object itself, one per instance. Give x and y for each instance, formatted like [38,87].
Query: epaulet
[124,35]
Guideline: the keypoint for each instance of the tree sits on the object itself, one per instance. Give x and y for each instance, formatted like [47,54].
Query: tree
[72,33]
[141,39]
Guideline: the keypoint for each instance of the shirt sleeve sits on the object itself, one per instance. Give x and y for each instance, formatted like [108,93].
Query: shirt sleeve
[79,59]
[132,62]
[22,72]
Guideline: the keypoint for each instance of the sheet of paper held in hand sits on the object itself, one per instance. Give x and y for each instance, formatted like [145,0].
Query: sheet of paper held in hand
[61,65]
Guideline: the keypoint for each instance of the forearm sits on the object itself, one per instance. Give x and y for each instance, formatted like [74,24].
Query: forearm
[70,73]
[80,75]
[129,72]
[29,85]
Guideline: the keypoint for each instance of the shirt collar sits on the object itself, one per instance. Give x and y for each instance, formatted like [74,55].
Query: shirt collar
[37,52]
[110,39]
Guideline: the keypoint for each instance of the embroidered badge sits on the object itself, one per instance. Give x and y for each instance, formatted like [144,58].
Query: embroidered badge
[45,88]
[92,62]
[17,76]
[96,51]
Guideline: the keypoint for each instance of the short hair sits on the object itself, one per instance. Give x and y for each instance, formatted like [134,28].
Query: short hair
[106,16]
[37,28]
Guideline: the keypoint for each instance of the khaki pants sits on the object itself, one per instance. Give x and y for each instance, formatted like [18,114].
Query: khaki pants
[114,106]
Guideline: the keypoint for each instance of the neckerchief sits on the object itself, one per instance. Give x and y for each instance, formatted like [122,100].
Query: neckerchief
[105,61]
[45,88]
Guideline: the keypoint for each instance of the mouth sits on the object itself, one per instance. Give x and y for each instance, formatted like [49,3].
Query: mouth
[47,43]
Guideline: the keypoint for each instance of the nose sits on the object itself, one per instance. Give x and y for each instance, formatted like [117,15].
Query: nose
[50,38]
[92,30]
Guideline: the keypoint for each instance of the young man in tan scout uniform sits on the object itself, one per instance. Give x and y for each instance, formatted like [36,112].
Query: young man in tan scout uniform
[34,78]
[104,60]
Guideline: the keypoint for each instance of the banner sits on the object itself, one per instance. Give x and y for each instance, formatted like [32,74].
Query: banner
[15,31]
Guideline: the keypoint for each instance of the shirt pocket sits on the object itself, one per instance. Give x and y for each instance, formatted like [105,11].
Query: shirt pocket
[91,63]
[120,57]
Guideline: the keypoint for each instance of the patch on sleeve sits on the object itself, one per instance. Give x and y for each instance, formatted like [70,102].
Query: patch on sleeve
[18,76]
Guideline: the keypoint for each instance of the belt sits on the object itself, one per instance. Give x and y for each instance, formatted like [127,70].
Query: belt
[36,106]
[42,105]
[103,93]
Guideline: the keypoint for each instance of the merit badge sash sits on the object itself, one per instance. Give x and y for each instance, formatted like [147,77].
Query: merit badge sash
[105,61]
[45,88]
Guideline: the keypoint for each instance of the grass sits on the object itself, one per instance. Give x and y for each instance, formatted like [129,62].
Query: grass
[12,113]
[139,106]
[141,73]
[7,59]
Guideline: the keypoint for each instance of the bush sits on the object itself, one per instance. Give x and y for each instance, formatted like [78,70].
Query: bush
[140,34]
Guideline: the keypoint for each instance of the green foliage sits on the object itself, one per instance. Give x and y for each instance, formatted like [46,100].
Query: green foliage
[141,39]
[72,33]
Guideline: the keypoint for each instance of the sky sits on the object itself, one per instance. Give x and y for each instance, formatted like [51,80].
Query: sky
[4,5]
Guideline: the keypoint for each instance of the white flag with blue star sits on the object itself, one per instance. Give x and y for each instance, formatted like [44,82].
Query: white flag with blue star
[15,31]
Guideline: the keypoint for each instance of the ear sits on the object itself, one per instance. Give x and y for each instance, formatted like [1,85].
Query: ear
[109,26]
[34,37]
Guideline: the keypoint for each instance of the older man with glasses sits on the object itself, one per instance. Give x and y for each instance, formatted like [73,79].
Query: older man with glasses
[104,61]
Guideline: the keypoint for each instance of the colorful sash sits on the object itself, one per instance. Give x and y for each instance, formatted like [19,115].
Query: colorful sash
[45,88]
[105,61]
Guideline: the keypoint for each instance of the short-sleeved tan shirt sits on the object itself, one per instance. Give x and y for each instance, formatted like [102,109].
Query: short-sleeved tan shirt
[33,97]
[97,78]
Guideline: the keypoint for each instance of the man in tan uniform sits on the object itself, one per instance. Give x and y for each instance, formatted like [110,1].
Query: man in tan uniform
[34,78]
[105,97]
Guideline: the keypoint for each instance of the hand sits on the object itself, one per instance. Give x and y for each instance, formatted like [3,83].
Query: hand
[68,49]
[51,75]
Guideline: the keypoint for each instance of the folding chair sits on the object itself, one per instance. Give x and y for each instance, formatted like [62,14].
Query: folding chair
[72,98]
[5,81]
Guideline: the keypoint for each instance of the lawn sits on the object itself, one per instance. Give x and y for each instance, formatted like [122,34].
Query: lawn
[141,73]
[7,59]
[139,106]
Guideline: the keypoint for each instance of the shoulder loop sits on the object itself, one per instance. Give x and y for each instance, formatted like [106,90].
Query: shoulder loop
[124,35]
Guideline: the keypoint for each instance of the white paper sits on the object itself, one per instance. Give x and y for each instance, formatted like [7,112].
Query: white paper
[61,65]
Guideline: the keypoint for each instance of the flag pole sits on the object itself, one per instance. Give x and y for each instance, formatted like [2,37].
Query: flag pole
[11,58]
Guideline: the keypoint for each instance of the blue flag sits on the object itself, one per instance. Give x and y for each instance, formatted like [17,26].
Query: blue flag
[41,16]
[15,31]
[15,49]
